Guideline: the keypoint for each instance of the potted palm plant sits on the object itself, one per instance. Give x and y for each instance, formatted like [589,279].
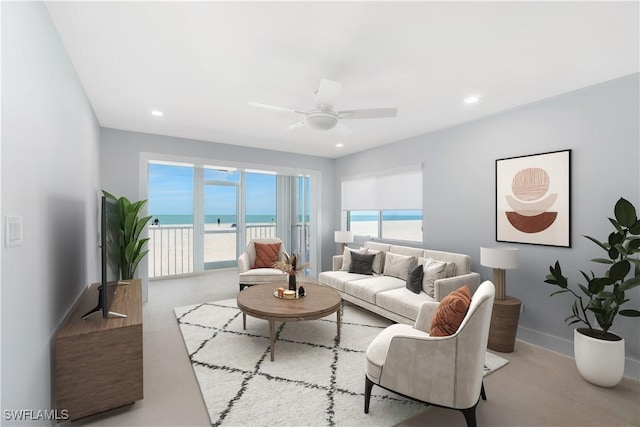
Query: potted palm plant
[128,226]
[599,353]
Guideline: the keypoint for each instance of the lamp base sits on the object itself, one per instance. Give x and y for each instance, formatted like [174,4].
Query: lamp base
[504,324]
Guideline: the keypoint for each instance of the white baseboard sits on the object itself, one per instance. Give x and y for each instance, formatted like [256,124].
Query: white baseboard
[565,347]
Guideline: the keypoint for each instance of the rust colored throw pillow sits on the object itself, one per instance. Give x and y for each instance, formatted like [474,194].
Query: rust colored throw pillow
[451,312]
[266,254]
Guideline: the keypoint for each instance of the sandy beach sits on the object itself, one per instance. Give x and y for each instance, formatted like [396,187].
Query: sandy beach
[171,246]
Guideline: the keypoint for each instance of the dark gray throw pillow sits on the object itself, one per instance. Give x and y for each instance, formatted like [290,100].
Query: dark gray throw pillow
[414,279]
[361,263]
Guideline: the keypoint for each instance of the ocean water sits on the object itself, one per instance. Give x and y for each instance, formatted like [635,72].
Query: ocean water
[212,219]
[262,219]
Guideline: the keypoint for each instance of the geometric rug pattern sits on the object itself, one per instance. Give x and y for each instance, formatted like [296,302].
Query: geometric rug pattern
[314,380]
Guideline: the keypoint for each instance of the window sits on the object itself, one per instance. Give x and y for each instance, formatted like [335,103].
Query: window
[385,204]
[364,223]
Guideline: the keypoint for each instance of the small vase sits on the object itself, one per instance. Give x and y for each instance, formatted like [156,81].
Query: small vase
[292,283]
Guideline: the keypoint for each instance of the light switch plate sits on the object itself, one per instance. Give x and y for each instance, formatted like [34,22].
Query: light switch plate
[12,230]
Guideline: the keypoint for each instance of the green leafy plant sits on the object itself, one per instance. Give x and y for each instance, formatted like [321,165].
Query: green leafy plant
[604,295]
[125,226]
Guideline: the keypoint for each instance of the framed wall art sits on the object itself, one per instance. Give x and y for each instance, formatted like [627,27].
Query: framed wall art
[533,199]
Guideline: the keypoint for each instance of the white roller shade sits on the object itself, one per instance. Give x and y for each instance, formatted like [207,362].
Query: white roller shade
[391,189]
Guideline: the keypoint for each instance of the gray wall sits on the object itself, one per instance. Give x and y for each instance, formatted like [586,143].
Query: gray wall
[50,178]
[601,126]
[120,155]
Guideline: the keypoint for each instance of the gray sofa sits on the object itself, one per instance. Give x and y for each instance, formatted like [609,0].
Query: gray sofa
[385,292]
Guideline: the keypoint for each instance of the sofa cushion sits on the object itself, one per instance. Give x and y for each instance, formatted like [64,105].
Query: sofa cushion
[396,265]
[337,279]
[414,279]
[377,246]
[346,257]
[402,302]
[378,261]
[451,312]
[366,289]
[462,262]
[406,250]
[266,254]
[433,270]
[361,263]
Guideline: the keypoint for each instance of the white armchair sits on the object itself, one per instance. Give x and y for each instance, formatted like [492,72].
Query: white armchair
[248,275]
[443,371]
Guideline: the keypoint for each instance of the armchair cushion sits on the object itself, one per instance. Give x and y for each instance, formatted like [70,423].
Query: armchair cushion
[451,312]
[266,254]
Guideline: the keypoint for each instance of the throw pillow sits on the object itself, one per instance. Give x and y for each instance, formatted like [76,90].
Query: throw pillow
[414,279]
[346,257]
[377,261]
[266,254]
[396,265]
[450,312]
[361,263]
[433,270]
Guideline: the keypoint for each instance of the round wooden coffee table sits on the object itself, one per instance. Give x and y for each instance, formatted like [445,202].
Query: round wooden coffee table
[258,301]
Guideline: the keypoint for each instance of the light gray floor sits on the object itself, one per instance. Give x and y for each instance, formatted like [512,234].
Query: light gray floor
[537,387]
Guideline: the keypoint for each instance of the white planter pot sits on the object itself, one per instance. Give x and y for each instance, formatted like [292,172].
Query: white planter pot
[600,362]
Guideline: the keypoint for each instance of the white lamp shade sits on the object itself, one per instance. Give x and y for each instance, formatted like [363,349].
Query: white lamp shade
[499,257]
[344,236]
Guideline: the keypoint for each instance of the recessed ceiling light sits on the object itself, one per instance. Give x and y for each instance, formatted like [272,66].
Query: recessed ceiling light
[472,99]
[339,145]
[157,113]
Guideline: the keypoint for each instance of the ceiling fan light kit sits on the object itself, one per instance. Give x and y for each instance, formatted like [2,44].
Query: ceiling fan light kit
[323,117]
[321,120]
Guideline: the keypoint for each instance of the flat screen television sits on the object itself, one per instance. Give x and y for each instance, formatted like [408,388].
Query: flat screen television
[109,259]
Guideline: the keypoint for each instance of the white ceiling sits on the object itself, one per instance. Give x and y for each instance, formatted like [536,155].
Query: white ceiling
[201,62]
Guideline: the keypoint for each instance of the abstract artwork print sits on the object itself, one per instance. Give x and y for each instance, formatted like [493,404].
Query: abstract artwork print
[533,199]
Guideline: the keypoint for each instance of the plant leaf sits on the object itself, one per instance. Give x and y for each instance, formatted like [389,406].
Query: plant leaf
[625,213]
[630,313]
[619,270]
[602,260]
[630,284]
[597,242]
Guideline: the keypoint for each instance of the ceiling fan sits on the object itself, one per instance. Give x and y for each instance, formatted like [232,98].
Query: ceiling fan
[324,117]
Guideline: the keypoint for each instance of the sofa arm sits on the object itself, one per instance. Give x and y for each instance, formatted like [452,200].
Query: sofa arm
[337,262]
[443,287]
[244,264]
[425,315]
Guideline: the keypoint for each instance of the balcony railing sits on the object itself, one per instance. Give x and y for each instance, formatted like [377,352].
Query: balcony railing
[171,247]
[170,250]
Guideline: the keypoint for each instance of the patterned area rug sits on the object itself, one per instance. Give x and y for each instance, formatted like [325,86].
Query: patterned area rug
[313,381]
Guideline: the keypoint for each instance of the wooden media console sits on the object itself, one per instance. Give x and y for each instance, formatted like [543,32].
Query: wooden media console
[98,361]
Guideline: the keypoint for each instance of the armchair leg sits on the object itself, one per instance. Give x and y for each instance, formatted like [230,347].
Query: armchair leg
[470,415]
[368,385]
[482,392]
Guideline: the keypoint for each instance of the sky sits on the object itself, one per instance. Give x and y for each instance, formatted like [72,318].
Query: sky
[171,192]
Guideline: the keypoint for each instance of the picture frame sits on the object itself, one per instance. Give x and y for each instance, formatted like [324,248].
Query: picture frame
[533,199]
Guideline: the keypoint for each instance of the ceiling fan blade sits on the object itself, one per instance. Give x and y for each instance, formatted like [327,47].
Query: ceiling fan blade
[343,130]
[328,93]
[370,113]
[272,107]
[296,125]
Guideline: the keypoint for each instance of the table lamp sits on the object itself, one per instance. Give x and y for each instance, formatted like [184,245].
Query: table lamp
[343,237]
[506,309]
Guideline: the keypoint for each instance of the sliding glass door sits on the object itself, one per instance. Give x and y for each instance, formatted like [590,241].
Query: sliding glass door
[203,217]
[219,217]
